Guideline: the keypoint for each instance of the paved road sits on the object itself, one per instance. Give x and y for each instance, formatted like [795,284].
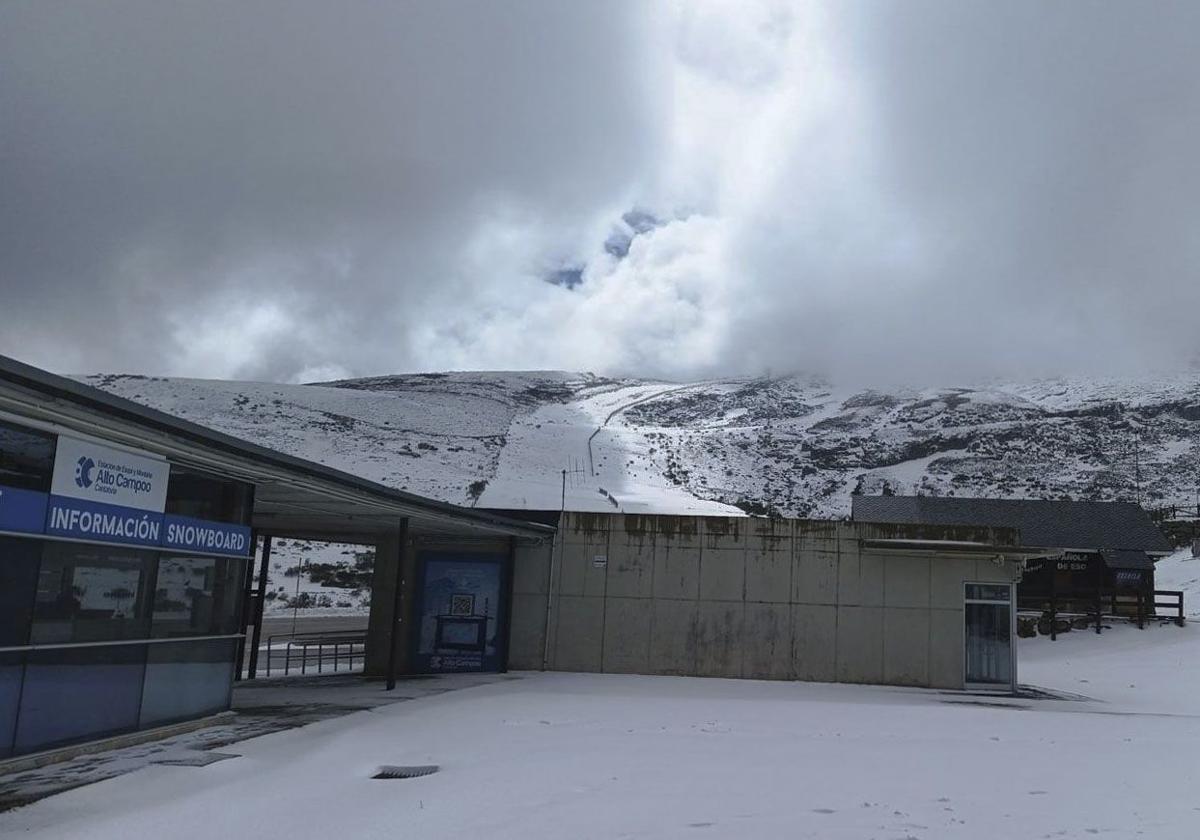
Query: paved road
[320,624]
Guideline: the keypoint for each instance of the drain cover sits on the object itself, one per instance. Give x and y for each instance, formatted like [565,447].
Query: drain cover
[394,771]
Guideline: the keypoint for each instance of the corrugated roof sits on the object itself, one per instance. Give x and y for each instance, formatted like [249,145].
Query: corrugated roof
[1050,524]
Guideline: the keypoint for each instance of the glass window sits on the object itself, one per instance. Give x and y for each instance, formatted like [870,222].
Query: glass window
[186,680]
[202,496]
[987,592]
[19,561]
[79,693]
[26,457]
[197,596]
[12,666]
[91,593]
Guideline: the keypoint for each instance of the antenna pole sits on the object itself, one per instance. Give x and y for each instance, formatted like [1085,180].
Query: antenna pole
[1137,467]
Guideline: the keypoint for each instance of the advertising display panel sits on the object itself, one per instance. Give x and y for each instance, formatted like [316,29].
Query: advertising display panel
[460,613]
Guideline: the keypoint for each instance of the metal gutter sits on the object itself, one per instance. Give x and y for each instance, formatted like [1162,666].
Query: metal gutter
[958,546]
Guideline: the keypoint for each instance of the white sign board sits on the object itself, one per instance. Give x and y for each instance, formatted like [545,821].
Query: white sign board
[599,561]
[95,473]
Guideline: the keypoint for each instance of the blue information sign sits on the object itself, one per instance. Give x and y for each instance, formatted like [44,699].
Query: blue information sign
[189,534]
[89,520]
[107,495]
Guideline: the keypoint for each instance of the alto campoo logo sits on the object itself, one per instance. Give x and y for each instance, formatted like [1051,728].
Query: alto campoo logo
[83,472]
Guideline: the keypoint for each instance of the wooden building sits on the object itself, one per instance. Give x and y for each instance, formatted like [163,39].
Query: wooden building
[1099,556]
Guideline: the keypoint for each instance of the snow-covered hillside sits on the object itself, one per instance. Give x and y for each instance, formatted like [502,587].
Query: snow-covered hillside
[1181,572]
[794,445]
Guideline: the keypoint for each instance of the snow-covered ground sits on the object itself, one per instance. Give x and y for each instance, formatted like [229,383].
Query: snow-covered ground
[605,756]
[1180,572]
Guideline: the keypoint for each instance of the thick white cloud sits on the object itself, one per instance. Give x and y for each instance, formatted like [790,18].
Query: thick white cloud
[293,190]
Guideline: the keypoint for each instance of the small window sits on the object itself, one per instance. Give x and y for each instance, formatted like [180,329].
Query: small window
[203,496]
[988,592]
[26,458]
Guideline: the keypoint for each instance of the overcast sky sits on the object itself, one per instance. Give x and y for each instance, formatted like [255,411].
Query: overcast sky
[306,190]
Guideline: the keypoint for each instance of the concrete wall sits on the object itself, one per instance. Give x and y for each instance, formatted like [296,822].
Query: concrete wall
[739,597]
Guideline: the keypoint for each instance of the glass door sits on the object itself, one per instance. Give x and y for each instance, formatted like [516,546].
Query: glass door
[989,632]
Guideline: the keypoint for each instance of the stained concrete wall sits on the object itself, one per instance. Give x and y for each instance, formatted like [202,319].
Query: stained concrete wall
[739,597]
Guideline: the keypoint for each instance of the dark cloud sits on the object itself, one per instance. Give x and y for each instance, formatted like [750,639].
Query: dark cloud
[917,190]
[161,160]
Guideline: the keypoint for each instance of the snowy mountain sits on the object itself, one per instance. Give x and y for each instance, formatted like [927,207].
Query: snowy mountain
[794,445]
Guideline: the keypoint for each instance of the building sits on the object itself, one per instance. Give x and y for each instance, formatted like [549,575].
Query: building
[126,592]
[1091,551]
[125,539]
[765,599]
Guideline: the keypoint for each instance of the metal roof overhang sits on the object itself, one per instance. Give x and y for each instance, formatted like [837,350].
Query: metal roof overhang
[293,497]
[959,547]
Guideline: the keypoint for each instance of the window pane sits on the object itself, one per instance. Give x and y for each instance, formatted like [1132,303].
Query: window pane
[987,592]
[12,666]
[18,581]
[26,458]
[89,594]
[202,496]
[79,693]
[197,596]
[186,680]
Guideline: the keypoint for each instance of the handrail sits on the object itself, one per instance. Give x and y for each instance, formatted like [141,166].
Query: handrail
[161,640]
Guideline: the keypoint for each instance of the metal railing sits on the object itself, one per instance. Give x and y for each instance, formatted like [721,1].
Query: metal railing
[334,647]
